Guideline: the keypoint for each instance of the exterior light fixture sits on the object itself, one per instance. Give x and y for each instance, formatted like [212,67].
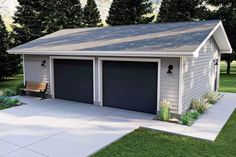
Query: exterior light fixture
[170,68]
[43,63]
[216,61]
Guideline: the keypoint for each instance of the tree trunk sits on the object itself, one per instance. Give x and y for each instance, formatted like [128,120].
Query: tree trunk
[228,67]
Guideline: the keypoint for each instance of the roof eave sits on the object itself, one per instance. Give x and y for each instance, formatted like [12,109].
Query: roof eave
[226,51]
[105,53]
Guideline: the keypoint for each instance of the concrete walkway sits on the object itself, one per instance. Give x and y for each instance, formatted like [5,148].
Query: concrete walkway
[208,126]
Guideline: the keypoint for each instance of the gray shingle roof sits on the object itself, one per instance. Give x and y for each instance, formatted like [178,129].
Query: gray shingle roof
[166,37]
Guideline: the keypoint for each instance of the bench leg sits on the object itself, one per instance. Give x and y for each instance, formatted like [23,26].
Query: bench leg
[23,93]
[43,95]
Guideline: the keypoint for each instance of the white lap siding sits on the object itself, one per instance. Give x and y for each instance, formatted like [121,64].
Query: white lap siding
[199,73]
[170,82]
[33,71]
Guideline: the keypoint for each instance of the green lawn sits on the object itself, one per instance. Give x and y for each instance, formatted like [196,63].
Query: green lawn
[228,82]
[149,143]
[11,82]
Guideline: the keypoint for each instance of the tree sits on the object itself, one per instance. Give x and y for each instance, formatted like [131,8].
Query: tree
[3,47]
[27,24]
[34,19]
[227,13]
[60,14]
[74,14]
[181,10]
[9,64]
[228,58]
[126,12]
[91,14]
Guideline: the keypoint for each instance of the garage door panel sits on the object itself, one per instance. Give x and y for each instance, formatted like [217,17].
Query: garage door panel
[130,85]
[73,80]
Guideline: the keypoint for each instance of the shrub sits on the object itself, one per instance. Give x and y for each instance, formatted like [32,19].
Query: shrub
[212,97]
[8,102]
[2,99]
[164,110]
[189,117]
[186,119]
[200,105]
[11,102]
[195,114]
[8,92]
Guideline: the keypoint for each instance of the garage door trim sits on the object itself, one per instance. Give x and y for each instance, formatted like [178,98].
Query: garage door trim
[100,73]
[52,58]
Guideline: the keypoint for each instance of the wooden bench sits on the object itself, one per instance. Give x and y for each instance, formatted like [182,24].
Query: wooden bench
[36,87]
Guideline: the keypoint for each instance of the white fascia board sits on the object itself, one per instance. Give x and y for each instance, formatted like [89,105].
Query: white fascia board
[226,37]
[106,53]
[196,52]
[226,52]
[219,25]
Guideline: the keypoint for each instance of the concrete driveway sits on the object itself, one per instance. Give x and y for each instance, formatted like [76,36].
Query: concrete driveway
[58,128]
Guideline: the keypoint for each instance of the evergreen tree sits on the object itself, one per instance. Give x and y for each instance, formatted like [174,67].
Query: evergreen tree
[3,47]
[27,26]
[3,36]
[181,10]
[59,14]
[91,14]
[74,14]
[9,64]
[34,19]
[125,12]
[141,10]
[226,11]
[118,13]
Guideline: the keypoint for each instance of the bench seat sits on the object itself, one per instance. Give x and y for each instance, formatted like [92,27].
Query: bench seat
[37,87]
[30,90]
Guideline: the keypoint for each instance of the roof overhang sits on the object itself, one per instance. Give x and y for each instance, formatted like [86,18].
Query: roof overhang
[220,36]
[106,53]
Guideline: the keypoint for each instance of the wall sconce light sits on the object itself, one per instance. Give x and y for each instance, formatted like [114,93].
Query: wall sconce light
[170,68]
[43,63]
[216,62]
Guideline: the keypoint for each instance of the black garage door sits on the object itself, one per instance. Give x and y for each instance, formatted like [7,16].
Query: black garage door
[130,85]
[74,80]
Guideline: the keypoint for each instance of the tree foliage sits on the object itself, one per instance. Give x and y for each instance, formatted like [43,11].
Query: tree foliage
[3,47]
[60,14]
[9,64]
[91,14]
[181,10]
[27,24]
[74,14]
[126,12]
[34,19]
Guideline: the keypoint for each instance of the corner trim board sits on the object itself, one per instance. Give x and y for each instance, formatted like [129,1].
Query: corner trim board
[23,60]
[180,102]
